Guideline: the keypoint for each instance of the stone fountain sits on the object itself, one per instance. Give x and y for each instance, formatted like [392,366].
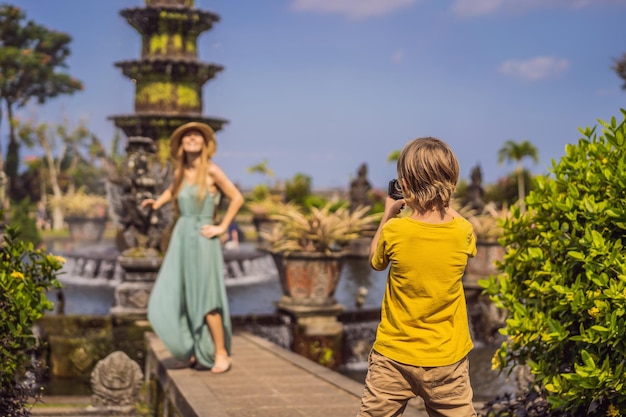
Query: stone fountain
[168,81]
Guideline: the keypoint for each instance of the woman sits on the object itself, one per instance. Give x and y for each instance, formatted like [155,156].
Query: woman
[188,307]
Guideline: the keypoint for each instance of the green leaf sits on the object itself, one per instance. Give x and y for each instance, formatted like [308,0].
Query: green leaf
[587,359]
[576,255]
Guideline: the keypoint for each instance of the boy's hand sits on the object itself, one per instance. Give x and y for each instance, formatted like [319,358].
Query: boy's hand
[393,207]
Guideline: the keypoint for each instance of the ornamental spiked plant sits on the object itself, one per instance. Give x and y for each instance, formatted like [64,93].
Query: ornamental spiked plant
[322,230]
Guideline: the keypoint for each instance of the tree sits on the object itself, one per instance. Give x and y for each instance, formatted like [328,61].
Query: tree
[298,188]
[261,168]
[393,156]
[516,152]
[30,55]
[620,69]
[68,144]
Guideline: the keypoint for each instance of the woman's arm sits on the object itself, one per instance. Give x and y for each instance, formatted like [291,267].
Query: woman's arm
[164,198]
[235,201]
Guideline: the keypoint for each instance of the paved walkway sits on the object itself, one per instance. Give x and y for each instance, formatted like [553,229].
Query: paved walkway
[265,381]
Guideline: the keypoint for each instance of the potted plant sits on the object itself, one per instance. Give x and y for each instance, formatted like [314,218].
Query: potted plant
[308,246]
[85,214]
[261,211]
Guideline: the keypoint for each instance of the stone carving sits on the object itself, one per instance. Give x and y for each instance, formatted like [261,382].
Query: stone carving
[115,381]
[475,191]
[359,189]
[140,177]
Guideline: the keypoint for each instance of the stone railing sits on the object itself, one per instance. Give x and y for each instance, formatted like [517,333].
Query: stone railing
[240,267]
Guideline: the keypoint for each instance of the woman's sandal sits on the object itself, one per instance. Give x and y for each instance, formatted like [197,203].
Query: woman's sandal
[222,364]
[182,365]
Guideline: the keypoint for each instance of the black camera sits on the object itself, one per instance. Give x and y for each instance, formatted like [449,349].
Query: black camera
[394,190]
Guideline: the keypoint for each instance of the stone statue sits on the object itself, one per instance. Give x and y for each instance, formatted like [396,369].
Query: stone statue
[116,382]
[359,189]
[140,177]
[475,191]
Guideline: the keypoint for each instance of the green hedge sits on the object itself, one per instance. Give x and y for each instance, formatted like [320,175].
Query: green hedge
[563,278]
[26,274]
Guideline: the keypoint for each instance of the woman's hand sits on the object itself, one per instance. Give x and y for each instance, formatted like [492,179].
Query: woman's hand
[148,202]
[211,230]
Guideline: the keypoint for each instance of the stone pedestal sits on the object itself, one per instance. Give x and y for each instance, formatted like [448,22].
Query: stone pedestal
[360,247]
[317,333]
[133,294]
[485,318]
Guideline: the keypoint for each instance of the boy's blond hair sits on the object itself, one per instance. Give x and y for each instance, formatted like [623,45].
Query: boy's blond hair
[428,172]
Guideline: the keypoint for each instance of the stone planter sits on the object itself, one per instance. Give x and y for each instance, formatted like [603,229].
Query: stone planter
[262,224]
[483,264]
[485,318]
[88,229]
[308,279]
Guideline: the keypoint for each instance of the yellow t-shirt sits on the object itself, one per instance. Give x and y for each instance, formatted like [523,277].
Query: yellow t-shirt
[423,316]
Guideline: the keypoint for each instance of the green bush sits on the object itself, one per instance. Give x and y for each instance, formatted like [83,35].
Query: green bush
[23,219]
[298,188]
[26,275]
[260,192]
[563,279]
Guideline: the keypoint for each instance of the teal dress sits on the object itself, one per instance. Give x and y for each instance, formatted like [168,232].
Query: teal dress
[190,284]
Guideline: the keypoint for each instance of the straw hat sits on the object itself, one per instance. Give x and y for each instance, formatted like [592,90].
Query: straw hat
[204,129]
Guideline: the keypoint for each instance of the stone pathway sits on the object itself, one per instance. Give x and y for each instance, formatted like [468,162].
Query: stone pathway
[265,381]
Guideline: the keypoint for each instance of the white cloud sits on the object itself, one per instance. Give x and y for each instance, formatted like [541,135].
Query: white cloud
[398,56]
[608,92]
[534,69]
[353,9]
[474,8]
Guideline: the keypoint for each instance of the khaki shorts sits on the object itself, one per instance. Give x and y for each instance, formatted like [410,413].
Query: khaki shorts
[389,385]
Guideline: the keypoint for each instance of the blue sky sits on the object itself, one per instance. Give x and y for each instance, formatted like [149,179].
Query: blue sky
[321,86]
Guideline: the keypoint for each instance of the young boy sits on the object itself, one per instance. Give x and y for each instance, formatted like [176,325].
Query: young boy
[423,337]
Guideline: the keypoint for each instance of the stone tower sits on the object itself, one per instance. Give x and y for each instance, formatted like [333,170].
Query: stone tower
[169,77]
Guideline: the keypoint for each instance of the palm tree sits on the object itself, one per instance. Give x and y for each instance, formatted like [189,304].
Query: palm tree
[261,168]
[516,152]
[393,156]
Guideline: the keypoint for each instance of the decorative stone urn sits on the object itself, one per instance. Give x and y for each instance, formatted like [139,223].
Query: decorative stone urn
[308,281]
[483,264]
[86,229]
[308,278]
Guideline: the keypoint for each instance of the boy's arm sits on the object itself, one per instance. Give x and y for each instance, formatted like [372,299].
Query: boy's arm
[392,209]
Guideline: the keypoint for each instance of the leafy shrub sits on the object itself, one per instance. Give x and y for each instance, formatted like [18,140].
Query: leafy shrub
[314,200]
[23,220]
[298,188]
[260,192]
[26,275]
[563,279]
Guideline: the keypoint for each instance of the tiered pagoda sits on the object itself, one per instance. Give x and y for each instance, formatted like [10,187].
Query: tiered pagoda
[169,77]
